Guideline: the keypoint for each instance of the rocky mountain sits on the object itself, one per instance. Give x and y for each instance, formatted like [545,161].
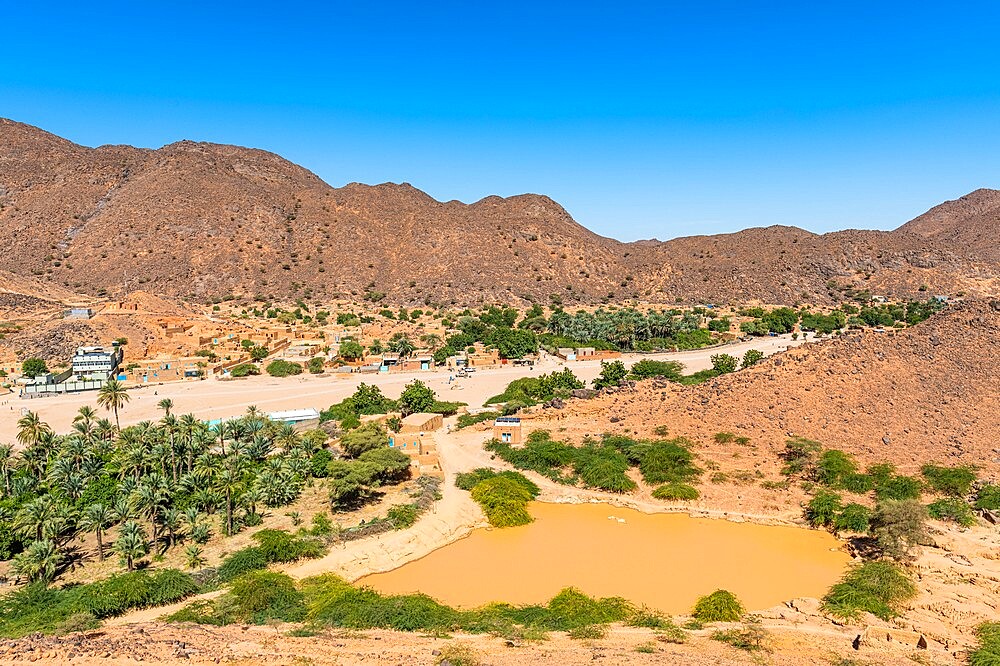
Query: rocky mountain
[971,222]
[202,221]
[927,393]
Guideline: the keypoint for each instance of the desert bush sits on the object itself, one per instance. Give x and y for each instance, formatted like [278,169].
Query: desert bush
[988,498]
[898,488]
[588,632]
[676,491]
[241,562]
[833,467]
[952,509]
[504,501]
[282,368]
[853,518]
[724,437]
[987,651]
[953,481]
[280,546]
[244,370]
[666,461]
[403,515]
[719,606]
[898,527]
[750,636]
[879,588]
[799,455]
[260,596]
[823,508]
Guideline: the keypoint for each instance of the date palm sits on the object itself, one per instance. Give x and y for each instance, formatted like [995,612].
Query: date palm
[131,544]
[193,556]
[38,562]
[113,397]
[30,520]
[96,518]
[8,463]
[166,405]
[31,429]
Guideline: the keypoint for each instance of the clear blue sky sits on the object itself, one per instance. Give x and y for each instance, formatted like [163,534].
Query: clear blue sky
[644,120]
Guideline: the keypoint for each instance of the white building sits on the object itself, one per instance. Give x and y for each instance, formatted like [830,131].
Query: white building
[96,363]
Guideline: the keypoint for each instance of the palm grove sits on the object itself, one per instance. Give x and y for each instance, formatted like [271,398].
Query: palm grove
[144,489]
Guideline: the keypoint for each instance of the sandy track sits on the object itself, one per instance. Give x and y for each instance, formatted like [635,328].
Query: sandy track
[212,398]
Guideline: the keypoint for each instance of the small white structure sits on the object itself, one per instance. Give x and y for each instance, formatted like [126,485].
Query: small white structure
[300,418]
[96,363]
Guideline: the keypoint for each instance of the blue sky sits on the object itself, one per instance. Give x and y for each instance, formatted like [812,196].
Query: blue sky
[656,119]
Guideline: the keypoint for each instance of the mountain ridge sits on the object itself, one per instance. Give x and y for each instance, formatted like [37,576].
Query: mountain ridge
[202,220]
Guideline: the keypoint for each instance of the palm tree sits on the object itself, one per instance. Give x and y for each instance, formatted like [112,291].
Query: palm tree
[7,464]
[96,518]
[31,429]
[166,405]
[172,523]
[113,397]
[31,519]
[38,562]
[150,496]
[86,414]
[376,347]
[193,557]
[131,544]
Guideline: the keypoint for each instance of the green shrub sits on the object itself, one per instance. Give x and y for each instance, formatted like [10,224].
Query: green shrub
[676,491]
[282,368]
[853,518]
[823,509]
[403,515]
[259,596]
[954,481]
[241,562]
[833,467]
[720,606]
[244,370]
[280,546]
[666,461]
[604,468]
[879,588]
[588,632]
[859,484]
[952,509]
[898,488]
[987,652]
[504,501]
[988,497]
[724,437]
[466,420]
[572,609]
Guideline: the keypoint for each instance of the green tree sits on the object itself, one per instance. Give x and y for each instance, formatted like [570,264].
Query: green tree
[416,397]
[752,357]
[612,374]
[31,429]
[39,562]
[258,353]
[316,365]
[166,405]
[131,544]
[366,438]
[33,367]
[898,526]
[351,350]
[724,363]
[113,397]
[96,518]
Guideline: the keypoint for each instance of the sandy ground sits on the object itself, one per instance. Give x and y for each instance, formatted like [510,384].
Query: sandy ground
[213,398]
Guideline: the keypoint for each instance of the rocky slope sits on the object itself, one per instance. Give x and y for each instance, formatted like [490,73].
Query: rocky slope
[201,221]
[928,393]
[971,222]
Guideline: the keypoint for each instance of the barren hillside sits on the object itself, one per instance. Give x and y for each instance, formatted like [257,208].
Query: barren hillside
[202,221]
[928,393]
[971,222]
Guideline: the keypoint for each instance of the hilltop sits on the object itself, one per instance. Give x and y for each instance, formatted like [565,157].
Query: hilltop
[201,221]
[927,393]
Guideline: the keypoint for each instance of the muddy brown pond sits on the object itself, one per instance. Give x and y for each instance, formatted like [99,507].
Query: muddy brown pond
[665,561]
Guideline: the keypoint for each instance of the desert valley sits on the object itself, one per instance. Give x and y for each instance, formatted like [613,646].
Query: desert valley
[248,416]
